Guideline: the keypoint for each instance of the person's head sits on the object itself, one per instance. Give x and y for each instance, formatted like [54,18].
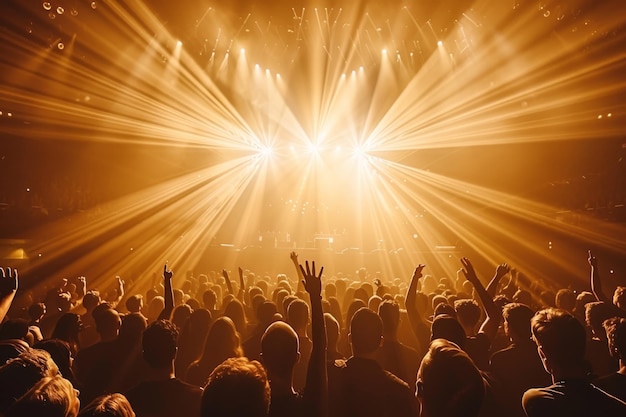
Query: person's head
[265,313]
[20,374]
[236,312]
[330,290]
[366,332]
[159,344]
[616,334]
[134,303]
[222,341]
[36,311]
[595,314]
[523,297]
[209,300]
[181,314]
[517,320]
[156,305]
[619,297]
[108,405]
[560,339]
[437,299]
[565,299]
[298,315]
[52,396]
[280,350]
[14,329]
[448,382]
[61,354]
[67,328]
[132,328]
[582,299]
[449,328]
[468,313]
[389,312]
[354,306]
[234,379]
[108,322]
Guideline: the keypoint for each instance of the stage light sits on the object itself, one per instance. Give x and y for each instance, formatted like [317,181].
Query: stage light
[313,148]
[439,43]
[266,151]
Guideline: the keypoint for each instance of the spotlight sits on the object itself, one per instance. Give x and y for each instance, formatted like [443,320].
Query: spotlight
[360,153]
[265,151]
[314,148]
[439,43]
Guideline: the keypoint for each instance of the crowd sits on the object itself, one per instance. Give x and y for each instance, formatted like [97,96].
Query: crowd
[304,344]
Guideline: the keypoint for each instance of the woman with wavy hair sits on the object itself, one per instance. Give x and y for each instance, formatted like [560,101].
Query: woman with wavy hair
[222,342]
[109,405]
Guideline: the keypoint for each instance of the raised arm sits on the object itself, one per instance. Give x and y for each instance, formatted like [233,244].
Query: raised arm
[120,290]
[229,285]
[596,282]
[168,294]
[8,288]
[316,387]
[418,325]
[294,259]
[242,287]
[494,315]
[501,271]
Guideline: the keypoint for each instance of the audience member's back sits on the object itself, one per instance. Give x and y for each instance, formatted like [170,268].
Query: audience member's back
[162,394]
[236,388]
[448,382]
[20,374]
[360,386]
[561,343]
[615,383]
[50,397]
[518,367]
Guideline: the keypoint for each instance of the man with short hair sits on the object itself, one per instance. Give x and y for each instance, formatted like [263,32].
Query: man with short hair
[560,340]
[394,356]
[359,386]
[162,394]
[517,367]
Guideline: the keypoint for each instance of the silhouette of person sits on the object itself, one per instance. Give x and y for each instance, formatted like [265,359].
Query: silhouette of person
[560,340]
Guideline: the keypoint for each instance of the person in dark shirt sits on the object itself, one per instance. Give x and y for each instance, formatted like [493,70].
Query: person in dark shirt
[448,382]
[560,340]
[615,383]
[280,354]
[162,394]
[518,367]
[393,356]
[359,386]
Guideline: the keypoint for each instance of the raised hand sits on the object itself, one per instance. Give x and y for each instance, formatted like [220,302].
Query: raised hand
[468,270]
[167,275]
[294,257]
[8,280]
[120,284]
[593,261]
[242,284]
[417,273]
[502,270]
[311,281]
